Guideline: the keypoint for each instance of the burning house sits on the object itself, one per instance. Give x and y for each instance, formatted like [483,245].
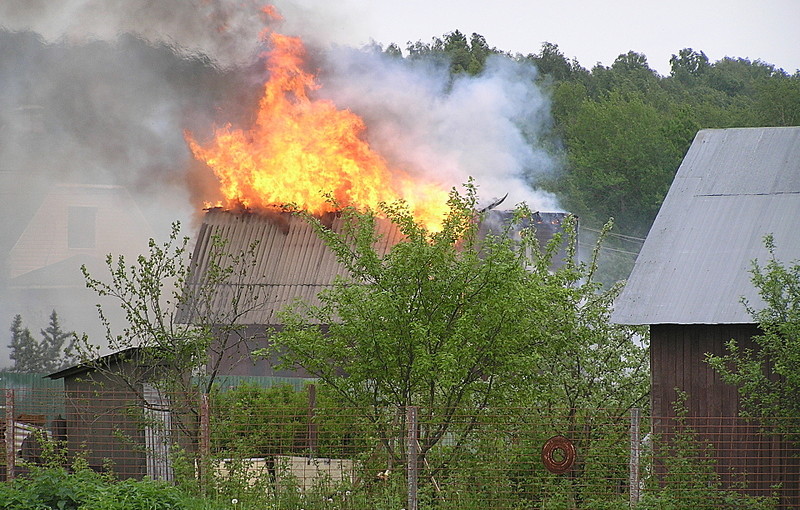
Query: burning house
[290,262]
[307,153]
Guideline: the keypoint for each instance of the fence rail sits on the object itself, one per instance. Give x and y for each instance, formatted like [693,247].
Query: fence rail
[414,457]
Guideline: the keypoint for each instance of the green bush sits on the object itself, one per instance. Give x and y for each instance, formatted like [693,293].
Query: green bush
[57,488]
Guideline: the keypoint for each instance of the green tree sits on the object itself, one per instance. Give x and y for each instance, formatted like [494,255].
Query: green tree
[57,345]
[461,54]
[688,65]
[429,324]
[550,61]
[175,313]
[455,323]
[768,375]
[47,355]
[777,101]
[597,363]
[621,160]
[24,349]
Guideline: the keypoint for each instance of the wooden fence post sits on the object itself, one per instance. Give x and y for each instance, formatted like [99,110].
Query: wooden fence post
[636,443]
[412,450]
[11,457]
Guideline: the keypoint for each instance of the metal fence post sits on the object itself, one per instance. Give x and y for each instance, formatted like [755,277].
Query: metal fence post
[205,442]
[11,459]
[311,428]
[412,456]
[635,455]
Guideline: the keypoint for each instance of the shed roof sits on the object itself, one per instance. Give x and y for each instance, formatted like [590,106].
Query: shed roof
[108,360]
[292,262]
[734,187]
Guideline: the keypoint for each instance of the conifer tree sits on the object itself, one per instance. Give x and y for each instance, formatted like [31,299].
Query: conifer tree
[40,356]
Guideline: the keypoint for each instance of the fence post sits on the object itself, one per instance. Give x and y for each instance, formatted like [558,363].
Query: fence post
[412,449]
[11,459]
[635,454]
[311,429]
[205,442]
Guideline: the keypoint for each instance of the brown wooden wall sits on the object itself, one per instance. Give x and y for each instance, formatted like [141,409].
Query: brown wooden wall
[100,427]
[677,360]
[743,453]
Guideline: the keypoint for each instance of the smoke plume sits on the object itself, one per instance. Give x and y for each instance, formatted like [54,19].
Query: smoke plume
[485,127]
[101,92]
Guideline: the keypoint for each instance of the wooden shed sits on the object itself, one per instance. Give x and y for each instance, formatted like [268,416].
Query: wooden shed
[734,187]
[116,419]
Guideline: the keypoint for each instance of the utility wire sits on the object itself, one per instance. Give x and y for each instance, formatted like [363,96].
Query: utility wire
[621,236]
[602,247]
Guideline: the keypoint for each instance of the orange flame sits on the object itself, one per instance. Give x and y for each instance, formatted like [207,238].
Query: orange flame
[301,150]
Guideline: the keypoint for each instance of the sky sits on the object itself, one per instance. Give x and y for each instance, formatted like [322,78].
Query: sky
[590,30]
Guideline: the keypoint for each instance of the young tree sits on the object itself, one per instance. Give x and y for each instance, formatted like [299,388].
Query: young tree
[175,318]
[452,322]
[45,356]
[57,345]
[768,376]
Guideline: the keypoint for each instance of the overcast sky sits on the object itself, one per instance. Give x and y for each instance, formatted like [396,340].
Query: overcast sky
[589,30]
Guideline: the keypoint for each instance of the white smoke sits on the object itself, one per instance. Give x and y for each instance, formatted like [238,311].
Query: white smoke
[486,127]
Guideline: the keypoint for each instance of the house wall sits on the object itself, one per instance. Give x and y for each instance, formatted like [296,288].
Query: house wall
[236,357]
[677,360]
[743,453]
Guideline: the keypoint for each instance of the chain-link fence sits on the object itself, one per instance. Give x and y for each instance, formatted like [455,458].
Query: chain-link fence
[274,451]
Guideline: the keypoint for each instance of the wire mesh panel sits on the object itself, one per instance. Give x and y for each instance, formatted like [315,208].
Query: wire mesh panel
[283,449]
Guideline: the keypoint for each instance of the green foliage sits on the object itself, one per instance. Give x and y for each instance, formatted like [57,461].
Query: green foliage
[622,156]
[551,63]
[768,376]
[47,355]
[172,315]
[251,421]
[688,65]
[458,323]
[57,488]
[777,101]
[590,362]
[462,55]
[429,324]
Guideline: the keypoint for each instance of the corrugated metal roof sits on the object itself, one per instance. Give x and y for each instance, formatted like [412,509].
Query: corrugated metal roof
[734,187]
[291,261]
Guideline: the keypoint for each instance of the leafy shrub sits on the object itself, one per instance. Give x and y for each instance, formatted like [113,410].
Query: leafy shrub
[57,488]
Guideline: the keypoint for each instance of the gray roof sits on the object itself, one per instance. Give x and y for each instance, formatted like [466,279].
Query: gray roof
[291,260]
[733,187]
